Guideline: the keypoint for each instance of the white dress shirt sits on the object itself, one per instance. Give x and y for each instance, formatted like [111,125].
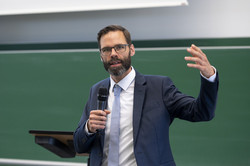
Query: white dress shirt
[126,147]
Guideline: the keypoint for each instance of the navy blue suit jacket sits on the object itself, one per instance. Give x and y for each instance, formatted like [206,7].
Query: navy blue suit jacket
[156,103]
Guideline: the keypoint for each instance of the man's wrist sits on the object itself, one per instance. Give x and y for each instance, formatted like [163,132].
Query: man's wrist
[211,78]
[87,129]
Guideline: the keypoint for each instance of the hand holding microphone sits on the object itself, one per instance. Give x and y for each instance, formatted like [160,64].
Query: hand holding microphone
[97,118]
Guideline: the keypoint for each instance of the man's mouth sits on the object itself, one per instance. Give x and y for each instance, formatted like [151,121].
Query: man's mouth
[115,63]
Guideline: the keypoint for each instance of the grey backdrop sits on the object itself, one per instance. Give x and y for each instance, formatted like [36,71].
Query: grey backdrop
[201,19]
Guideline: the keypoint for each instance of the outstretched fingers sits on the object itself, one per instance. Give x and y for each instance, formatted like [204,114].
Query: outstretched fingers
[200,61]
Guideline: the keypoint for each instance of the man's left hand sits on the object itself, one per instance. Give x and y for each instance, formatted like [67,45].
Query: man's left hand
[201,61]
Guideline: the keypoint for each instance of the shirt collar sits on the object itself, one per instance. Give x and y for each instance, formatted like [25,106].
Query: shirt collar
[125,82]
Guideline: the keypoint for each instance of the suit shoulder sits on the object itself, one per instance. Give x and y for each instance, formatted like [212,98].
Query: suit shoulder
[157,78]
[101,83]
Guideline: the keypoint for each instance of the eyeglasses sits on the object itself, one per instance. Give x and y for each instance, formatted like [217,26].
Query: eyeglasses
[119,48]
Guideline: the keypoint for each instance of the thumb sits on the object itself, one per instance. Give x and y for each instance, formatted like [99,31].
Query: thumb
[107,112]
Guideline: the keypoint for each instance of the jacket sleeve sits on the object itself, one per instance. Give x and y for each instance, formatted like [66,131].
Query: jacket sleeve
[83,141]
[187,107]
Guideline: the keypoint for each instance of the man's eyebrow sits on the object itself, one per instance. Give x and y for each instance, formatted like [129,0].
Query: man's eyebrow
[113,46]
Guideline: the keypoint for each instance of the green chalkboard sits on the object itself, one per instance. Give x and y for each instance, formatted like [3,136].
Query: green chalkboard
[48,91]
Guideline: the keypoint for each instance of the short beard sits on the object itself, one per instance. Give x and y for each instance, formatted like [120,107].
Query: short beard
[118,71]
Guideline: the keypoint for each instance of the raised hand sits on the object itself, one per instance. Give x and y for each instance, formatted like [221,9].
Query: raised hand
[201,61]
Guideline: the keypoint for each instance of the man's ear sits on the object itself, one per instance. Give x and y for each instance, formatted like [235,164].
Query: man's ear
[101,58]
[132,49]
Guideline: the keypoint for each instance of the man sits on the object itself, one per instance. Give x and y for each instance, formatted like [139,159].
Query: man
[148,105]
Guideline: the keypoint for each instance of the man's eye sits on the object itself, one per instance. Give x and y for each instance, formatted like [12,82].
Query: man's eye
[105,49]
[119,47]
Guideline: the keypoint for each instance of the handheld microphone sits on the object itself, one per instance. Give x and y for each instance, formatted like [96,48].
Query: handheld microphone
[102,98]
[101,102]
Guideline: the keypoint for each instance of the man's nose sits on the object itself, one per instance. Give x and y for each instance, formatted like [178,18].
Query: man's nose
[113,52]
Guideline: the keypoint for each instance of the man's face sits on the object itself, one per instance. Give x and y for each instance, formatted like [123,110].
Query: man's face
[117,64]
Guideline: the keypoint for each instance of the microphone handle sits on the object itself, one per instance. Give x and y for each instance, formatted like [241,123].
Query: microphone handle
[101,105]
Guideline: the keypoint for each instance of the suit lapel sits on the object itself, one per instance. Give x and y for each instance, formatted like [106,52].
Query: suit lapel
[139,95]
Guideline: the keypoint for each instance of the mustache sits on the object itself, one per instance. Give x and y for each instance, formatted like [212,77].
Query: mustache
[115,60]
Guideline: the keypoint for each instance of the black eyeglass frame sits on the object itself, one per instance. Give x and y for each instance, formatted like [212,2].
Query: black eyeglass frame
[115,47]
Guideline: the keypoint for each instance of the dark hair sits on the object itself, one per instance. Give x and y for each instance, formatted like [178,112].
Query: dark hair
[110,28]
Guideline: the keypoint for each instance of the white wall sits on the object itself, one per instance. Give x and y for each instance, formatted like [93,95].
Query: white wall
[11,7]
[201,19]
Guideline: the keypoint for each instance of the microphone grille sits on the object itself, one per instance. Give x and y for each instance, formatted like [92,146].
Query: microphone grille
[102,94]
